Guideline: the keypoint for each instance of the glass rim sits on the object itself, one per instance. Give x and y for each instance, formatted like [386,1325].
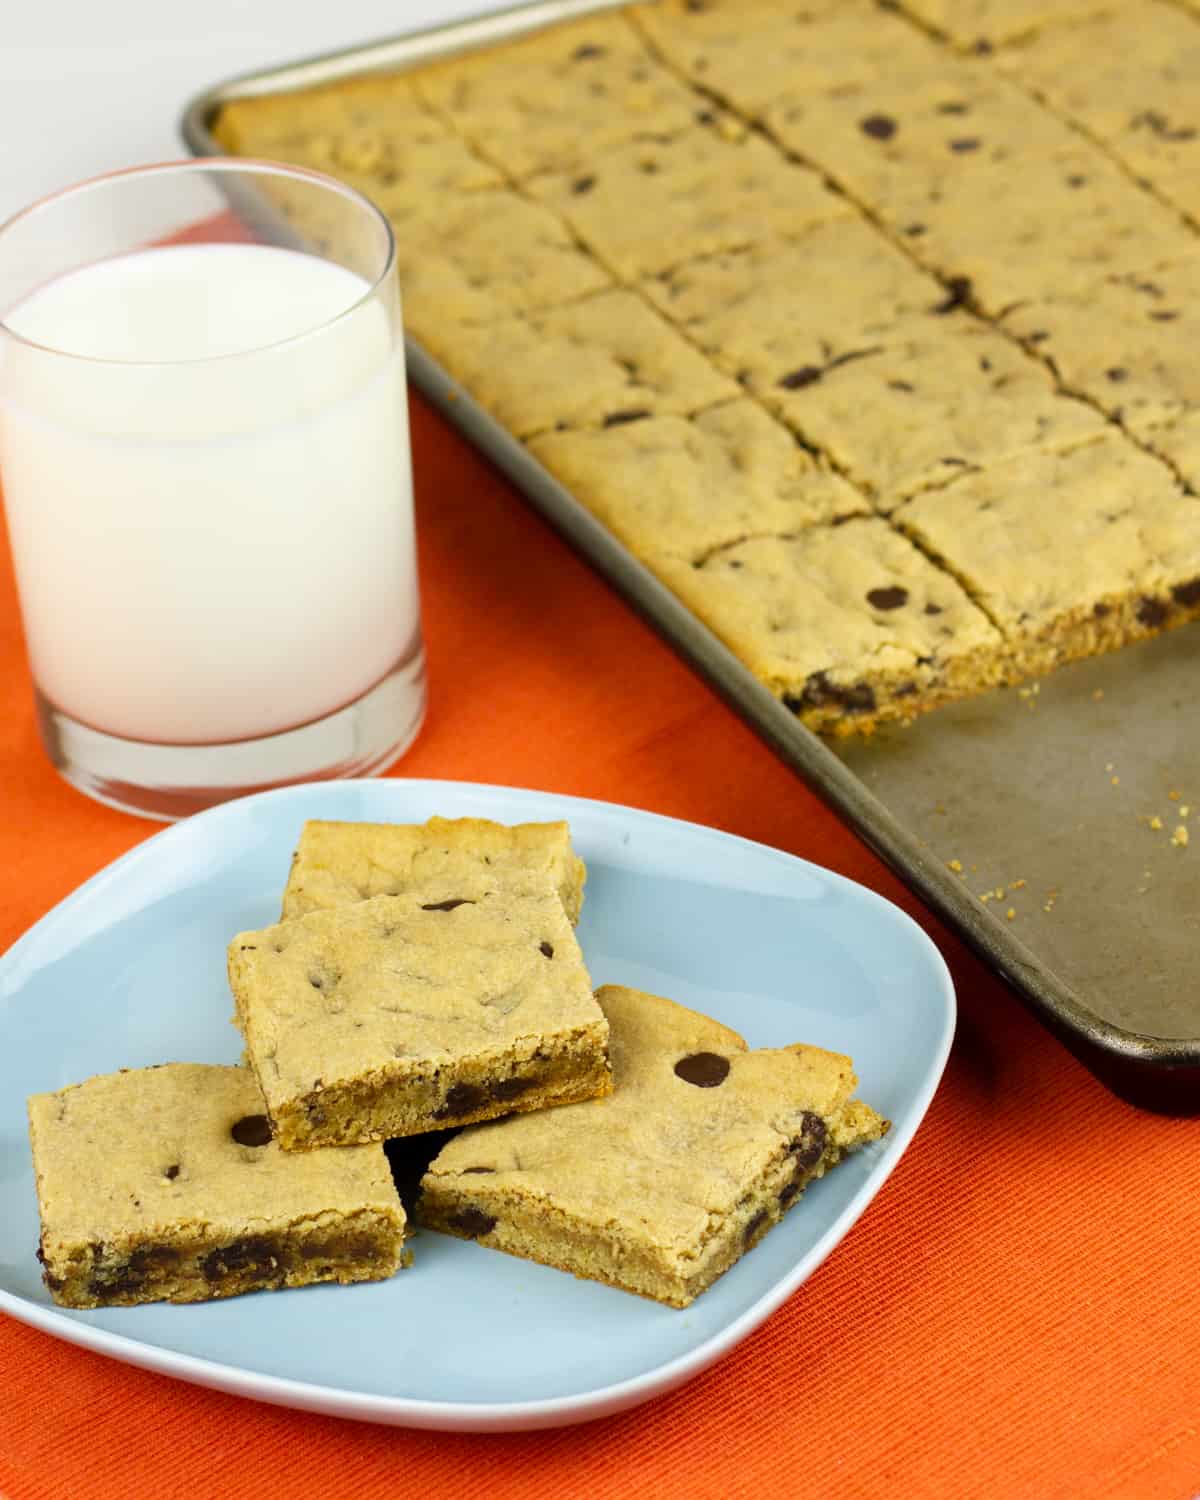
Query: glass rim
[251,165]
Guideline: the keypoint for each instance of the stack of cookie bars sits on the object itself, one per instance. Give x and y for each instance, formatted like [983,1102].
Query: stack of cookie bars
[425,978]
[868,328]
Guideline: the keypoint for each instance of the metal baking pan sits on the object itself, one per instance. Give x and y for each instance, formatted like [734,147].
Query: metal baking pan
[1024,818]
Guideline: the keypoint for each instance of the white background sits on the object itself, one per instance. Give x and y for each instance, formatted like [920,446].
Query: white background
[87,86]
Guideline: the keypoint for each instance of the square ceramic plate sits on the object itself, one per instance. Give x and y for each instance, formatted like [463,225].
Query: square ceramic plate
[130,970]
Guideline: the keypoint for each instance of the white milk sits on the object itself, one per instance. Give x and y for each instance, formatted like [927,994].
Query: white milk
[215,550]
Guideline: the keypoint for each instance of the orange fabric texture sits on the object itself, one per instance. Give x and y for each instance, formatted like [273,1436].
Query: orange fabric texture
[1017,1313]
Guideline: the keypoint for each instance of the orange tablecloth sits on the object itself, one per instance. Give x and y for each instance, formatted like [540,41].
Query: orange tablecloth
[1018,1312]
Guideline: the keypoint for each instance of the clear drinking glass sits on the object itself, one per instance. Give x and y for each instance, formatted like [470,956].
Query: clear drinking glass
[204,456]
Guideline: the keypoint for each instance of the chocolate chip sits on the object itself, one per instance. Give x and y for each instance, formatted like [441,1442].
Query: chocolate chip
[1160,126]
[447,905]
[511,1088]
[1187,594]
[1164,315]
[119,1284]
[472,1222]
[695,6]
[467,1170]
[704,1069]
[789,1192]
[958,294]
[1038,336]
[547,949]
[705,117]
[583,185]
[914,230]
[851,354]
[618,418]
[858,698]
[1076,180]
[460,1098]
[982,47]
[960,463]
[878,127]
[251,1130]
[588,50]
[172,1172]
[1152,612]
[887,598]
[900,385]
[1101,610]
[809,1145]
[933,609]
[1117,374]
[254,1253]
[755,1224]
[964,144]
[905,690]
[952,107]
[797,379]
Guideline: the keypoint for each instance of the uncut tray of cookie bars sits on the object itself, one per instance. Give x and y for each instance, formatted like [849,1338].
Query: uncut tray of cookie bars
[855,344]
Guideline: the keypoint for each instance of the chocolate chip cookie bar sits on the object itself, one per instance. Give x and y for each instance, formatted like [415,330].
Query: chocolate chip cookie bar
[658,1189]
[597,362]
[1127,343]
[562,96]
[336,864]
[753,312]
[929,398]
[749,52]
[164,1185]
[699,483]
[1114,556]
[851,626]
[1137,94]
[1065,219]
[372,132]
[886,137]
[416,1012]
[650,205]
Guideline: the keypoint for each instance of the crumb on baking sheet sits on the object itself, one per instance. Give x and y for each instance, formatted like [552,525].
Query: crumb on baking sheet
[1098,694]
[1051,898]
[1174,796]
[1011,913]
[956,865]
[1179,837]
[1155,822]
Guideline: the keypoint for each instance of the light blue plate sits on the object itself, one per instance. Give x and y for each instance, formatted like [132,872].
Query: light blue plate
[130,970]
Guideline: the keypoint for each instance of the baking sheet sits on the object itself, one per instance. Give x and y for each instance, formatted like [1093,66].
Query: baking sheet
[1024,818]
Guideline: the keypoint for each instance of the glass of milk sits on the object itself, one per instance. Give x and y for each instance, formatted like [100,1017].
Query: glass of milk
[204,458]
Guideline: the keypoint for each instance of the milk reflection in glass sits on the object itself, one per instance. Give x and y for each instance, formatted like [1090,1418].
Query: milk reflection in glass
[184,576]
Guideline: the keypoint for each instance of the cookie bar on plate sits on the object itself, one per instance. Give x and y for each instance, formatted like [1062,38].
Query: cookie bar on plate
[702,1146]
[409,1013]
[164,1185]
[338,863]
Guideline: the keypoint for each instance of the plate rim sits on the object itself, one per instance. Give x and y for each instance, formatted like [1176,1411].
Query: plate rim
[486,1416]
